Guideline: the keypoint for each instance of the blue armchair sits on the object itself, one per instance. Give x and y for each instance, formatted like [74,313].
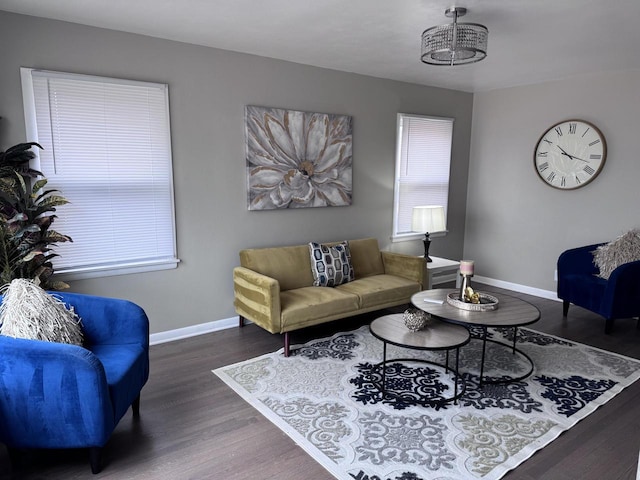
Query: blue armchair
[55,395]
[613,298]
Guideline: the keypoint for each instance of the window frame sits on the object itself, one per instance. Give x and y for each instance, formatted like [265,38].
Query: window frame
[407,236]
[118,267]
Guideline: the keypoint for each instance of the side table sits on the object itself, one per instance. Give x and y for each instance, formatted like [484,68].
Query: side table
[512,313]
[437,336]
[437,267]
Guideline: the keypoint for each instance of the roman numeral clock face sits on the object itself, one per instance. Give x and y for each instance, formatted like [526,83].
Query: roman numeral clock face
[570,154]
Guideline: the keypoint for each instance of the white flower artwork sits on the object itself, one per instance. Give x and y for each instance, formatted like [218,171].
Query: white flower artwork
[297,159]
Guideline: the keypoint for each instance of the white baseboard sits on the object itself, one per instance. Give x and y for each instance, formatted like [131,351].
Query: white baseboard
[536,292]
[202,328]
[192,331]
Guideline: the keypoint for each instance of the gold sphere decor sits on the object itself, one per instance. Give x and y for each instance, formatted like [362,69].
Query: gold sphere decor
[470,296]
[415,319]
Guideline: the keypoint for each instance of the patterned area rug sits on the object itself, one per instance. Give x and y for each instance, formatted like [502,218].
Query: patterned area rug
[326,398]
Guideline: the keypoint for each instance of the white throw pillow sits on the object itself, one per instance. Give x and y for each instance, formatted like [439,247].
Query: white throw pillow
[624,249]
[27,311]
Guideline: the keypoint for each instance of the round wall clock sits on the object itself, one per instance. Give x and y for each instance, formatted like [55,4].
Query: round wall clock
[570,154]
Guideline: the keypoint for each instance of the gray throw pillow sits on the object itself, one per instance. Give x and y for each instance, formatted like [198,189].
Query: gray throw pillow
[624,249]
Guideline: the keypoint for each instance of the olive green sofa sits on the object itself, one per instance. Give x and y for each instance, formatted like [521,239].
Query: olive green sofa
[273,287]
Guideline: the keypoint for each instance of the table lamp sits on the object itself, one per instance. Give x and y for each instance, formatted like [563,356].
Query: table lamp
[428,219]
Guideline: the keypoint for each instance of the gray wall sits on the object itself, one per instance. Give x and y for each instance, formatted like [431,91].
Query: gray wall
[208,90]
[516,226]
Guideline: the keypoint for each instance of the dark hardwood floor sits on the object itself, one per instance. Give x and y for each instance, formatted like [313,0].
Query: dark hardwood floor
[192,426]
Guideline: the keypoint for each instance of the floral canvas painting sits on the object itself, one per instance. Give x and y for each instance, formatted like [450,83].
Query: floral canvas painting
[297,159]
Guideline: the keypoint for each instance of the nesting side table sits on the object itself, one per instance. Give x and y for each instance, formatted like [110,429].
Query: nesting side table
[390,329]
[512,313]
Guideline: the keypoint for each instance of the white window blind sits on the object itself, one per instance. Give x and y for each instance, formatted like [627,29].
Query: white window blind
[106,148]
[423,162]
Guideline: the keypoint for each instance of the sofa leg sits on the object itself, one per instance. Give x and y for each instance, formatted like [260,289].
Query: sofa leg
[240,321]
[95,459]
[608,326]
[286,344]
[135,407]
[565,307]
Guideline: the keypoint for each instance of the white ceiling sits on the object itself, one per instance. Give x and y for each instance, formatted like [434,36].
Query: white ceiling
[530,41]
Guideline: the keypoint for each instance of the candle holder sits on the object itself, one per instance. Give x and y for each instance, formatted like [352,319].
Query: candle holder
[466,298]
[466,282]
[466,272]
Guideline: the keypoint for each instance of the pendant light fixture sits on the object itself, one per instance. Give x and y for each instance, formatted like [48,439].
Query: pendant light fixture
[454,43]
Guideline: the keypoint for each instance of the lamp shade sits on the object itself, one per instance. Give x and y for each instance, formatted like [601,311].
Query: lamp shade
[428,219]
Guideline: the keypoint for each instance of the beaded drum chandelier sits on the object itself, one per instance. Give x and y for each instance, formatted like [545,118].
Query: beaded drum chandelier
[454,43]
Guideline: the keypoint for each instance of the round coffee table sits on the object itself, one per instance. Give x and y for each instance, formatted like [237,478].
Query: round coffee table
[512,312]
[436,336]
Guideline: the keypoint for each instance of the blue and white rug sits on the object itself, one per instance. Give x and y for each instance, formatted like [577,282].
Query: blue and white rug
[325,399]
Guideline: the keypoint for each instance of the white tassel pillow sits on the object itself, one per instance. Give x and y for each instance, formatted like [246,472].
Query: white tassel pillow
[27,311]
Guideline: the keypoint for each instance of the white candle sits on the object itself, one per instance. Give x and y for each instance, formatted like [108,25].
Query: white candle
[466,267]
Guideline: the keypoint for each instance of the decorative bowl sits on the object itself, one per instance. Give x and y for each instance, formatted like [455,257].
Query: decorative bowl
[487,302]
[415,319]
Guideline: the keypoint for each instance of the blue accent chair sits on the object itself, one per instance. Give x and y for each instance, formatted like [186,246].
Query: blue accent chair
[613,298]
[58,396]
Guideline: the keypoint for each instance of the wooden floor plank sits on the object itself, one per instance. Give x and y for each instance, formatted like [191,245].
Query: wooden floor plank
[192,426]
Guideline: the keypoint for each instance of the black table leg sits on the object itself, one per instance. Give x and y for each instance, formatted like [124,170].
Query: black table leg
[484,349]
[456,374]
[384,367]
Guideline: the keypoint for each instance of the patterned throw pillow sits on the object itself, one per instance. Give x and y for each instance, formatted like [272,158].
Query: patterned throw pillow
[331,265]
[27,311]
[624,249]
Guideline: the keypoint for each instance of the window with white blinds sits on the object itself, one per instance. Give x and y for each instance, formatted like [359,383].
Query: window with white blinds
[107,149]
[423,160]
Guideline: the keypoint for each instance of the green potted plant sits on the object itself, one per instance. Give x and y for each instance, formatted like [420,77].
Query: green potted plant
[27,211]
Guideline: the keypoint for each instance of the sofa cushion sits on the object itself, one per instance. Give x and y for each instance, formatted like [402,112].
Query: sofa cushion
[624,249]
[305,305]
[380,289]
[366,257]
[289,265]
[28,312]
[330,264]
